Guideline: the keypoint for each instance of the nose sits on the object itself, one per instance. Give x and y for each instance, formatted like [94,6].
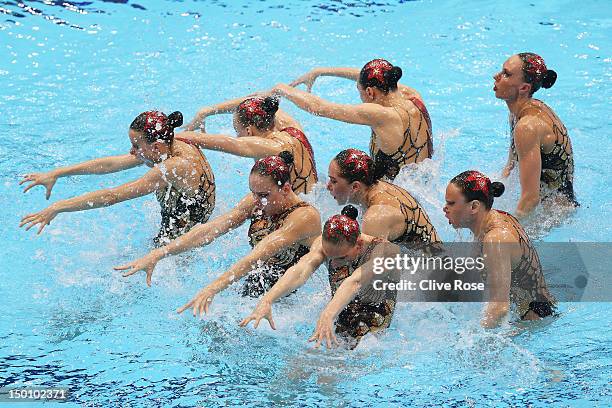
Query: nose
[445,209]
[329,187]
[496,76]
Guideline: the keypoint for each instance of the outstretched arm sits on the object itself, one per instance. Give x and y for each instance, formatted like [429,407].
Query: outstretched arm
[292,279]
[346,292]
[102,165]
[224,107]
[301,225]
[255,147]
[363,114]
[310,77]
[200,235]
[151,181]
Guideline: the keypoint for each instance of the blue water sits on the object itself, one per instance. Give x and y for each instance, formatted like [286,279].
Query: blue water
[74,75]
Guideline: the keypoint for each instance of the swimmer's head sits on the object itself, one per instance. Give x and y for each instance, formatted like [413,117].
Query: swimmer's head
[467,194]
[152,133]
[380,75]
[351,172]
[255,115]
[522,75]
[270,182]
[341,235]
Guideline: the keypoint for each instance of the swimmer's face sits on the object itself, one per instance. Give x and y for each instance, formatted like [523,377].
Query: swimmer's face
[509,82]
[269,197]
[148,153]
[457,210]
[338,186]
[342,251]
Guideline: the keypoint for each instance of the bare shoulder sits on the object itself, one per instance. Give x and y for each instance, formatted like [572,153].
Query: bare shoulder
[306,215]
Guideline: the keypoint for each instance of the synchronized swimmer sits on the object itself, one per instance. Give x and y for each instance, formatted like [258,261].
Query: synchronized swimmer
[287,240]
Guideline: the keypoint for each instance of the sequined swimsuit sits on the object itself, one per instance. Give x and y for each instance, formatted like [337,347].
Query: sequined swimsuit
[180,211]
[557,173]
[266,275]
[368,312]
[528,290]
[299,177]
[408,151]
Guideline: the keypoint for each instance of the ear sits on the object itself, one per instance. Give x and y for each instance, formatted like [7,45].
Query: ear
[525,88]
[370,92]
[355,186]
[249,130]
[286,188]
[475,206]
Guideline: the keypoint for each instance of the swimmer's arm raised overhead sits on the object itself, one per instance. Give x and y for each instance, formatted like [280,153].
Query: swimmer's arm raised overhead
[150,182]
[200,235]
[103,165]
[301,225]
[370,114]
[224,107]
[292,279]
[255,147]
[311,76]
[530,164]
[497,246]
[282,118]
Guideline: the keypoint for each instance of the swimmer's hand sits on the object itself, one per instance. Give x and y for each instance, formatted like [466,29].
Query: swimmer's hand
[262,311]
[43,218]
[198,122]
[40,179]
[307,79]
[324,331]
[146,263]
[200,302]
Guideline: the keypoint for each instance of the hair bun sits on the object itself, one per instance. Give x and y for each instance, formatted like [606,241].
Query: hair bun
[287,157]
[549,79]
[350,212]
[395,74]
[175,119]
[270,104]
[497,189]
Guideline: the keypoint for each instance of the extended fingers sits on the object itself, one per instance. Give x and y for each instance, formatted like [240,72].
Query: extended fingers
[246,321]
[185,307]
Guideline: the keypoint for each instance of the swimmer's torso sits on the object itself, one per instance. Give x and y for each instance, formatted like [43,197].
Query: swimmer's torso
[557,175]
[271,270]
[418,229]
[184,206]
[527,281]
[415,143]
[304,172]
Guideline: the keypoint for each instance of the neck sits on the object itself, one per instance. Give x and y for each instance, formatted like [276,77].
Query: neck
[390,99]
[364,197]
[516,105]
[480,224]
[262,133]
[292,199]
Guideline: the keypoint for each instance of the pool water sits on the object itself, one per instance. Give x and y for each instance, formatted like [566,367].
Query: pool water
[74,74]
